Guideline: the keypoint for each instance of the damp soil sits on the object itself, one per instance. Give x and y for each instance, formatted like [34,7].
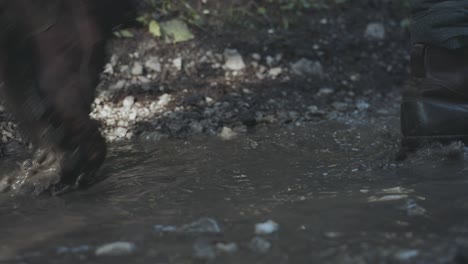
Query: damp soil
[315,154]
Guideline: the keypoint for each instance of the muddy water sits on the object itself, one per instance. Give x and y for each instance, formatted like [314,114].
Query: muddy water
[334,189]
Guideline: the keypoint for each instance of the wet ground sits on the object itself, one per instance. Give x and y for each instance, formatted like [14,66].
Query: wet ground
[335,190]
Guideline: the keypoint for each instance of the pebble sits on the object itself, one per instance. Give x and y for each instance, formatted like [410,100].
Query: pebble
[307,67]
[229,248]
[233,60]
[274,72]
[266,228]
[137,69]
[407,254]
[260,245]
[203,225]
[153,64]
[128,102]
[227,133]
[116,249]
[375,31]
[177,63]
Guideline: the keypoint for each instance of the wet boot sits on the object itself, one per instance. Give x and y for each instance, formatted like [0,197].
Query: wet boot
[434,107]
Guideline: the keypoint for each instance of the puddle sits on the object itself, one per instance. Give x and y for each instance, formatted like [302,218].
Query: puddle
[334,190]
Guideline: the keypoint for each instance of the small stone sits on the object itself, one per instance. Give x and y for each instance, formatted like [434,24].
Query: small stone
[203,225]
[109,69]
[307,67]
[128,102]
[116,249]
[229,248]
[270,61]
[413,209]
[164,100]
[274,72]
[118,85]
[256,56]
[227,133]
[340,106]
[266,228]
[362,105]
[325,91]
[233,60]
[260,245]
[153,136]
[121,132]
[203,249]
[137,69]
[375,31]
[407,254]
[177,63]
[153,64]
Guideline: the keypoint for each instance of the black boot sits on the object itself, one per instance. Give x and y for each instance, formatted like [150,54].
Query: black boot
[435,105]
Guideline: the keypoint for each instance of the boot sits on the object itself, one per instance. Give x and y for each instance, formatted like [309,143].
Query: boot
[434,107]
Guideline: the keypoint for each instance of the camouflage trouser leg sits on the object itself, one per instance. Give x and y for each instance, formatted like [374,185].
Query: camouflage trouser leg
[440,23]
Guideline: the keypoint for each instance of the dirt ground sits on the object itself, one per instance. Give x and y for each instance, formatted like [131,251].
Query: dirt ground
[344,60]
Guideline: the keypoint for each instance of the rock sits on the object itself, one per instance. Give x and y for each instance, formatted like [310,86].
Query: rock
[260,245]
[375,31]
[229,248]
[233,60]
[227,133]
[75,250]
[256,56]
[108,69]
[153,64]
[118,85]
[306,67]
[274,72]
[266,228]
[165,228]
[153,136]
[203,249]
[413,209]
[116,249]
[164,100]
[137,69]
[121,132]
[128,102]
[407,254]
[177,63]
[362,105]
[203,225]
[340,106]
[325,91]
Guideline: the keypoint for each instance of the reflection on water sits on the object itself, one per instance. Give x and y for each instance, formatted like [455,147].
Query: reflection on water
[335,190]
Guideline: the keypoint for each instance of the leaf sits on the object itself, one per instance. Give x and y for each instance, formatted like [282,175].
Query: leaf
[154,28]
[176,30]
[125,33]
[261,10]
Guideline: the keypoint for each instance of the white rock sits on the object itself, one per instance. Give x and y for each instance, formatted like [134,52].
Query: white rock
[121,132]
[227,133]
[266,228]
[164,100]
[109,69]
[274,72]
[375,31]
[256,56]
[137,69]
[116,249]
[153,64]
[233,60]
[177,63]
[128,102]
